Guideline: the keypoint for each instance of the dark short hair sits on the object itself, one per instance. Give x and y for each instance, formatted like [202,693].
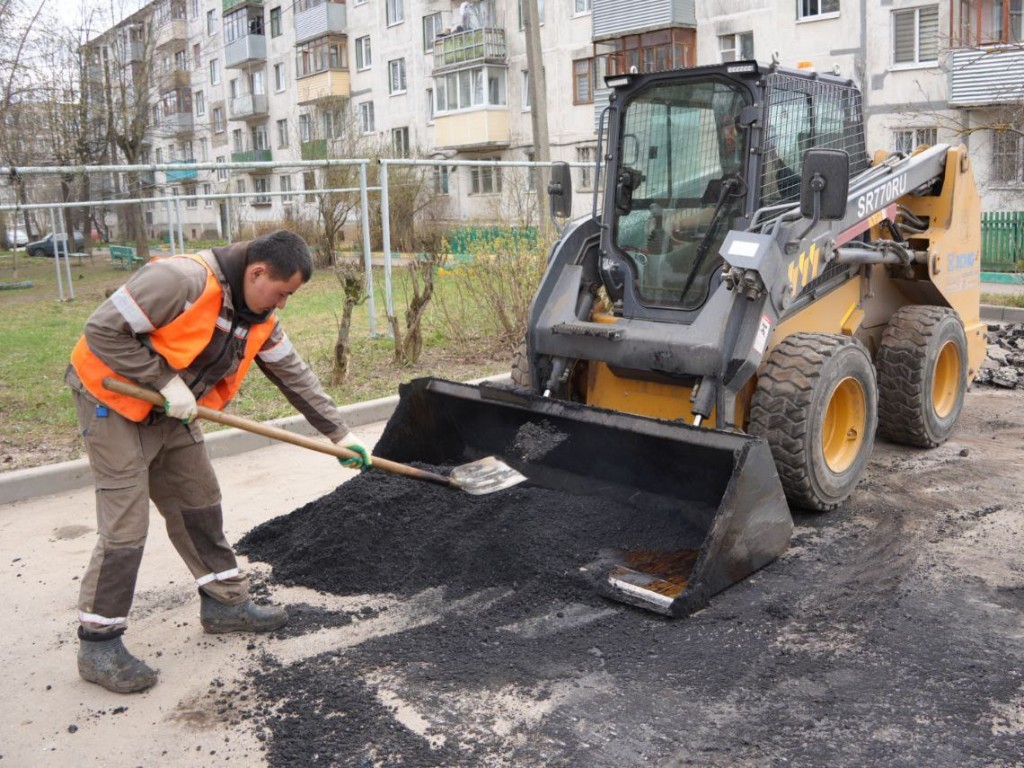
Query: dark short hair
[284,253]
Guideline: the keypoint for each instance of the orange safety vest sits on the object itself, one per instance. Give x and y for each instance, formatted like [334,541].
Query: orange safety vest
[179,343]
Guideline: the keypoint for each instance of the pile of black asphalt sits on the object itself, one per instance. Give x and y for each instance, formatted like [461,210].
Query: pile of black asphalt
[861,646]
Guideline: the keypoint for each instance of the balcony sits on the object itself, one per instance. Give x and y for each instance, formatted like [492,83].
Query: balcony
[174,123]
[473,129]
[990,75]
[231,5]
[468,48]
[252,156]
[321,20]
[147,179]
[314,150]
[246,49]
[323,85]
[613,18]
[171,31]
[173,78]
[184,175]
[248,106]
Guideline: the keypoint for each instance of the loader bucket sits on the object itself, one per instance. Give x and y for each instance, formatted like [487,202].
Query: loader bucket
[706,507]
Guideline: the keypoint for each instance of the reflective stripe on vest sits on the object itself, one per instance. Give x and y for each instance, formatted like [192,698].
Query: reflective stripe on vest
[179,342]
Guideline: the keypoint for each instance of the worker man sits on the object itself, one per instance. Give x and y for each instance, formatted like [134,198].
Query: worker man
[189,326]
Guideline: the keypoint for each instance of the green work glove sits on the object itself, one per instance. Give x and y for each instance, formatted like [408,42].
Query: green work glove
[353,443]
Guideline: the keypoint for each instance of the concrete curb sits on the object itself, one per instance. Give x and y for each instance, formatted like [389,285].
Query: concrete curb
[28,483]
[998,314]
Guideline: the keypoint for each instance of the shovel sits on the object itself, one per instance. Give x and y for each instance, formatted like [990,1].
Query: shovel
[485,475]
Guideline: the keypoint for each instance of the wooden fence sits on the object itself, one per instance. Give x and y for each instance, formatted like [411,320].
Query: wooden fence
[1002,241]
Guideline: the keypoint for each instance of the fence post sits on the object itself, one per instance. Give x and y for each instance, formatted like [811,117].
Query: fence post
[367,256]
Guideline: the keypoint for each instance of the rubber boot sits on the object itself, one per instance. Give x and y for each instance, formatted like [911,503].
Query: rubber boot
[103,659]
[218,618]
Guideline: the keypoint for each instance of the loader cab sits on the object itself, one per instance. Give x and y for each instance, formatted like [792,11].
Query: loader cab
[698,152]
[679,180]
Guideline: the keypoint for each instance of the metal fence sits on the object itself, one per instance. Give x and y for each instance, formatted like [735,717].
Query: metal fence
[1002,241]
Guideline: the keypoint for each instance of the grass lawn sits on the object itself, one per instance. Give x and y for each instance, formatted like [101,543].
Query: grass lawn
[37,421]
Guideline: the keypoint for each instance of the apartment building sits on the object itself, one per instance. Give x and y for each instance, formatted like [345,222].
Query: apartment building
[949,71]
[275,81]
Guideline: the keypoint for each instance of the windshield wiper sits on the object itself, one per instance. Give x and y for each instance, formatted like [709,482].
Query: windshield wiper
[731,186]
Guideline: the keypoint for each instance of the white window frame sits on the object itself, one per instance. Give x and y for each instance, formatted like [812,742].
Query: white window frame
[917,61]
[810,10]
[581,7]
[394,11]
[282,133]
[366,118]
[211,22]
[214,71]
[400,141]
[730,47]
[219,124]
[222,173]
[284,184]
[305,128]
[280,78]
[433,25]
[586,174]
[396,77]
[526,103]
[207,190]
[485,179]
[906,140]
[364,53]
[199,99]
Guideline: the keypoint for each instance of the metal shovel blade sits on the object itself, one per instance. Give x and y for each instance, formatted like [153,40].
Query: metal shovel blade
[485,475]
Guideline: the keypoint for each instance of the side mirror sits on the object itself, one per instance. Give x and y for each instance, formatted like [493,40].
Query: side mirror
[560,190]
[824,184]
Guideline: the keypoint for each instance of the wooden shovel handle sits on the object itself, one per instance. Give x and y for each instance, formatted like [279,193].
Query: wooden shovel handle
[275,433]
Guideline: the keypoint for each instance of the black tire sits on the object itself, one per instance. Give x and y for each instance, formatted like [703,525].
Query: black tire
[521,366]
[922,376]
[37,252]
[816,404]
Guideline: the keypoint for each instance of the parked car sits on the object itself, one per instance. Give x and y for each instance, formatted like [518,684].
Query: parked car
[17,238]
[45,246]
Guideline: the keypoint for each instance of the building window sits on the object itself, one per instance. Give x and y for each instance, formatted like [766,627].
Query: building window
[333,122]
[442,174]
[204,149]
[275,22]
[430,105]
[395,11]
[1006,157]
[200,101]
[236,140]
[816,9]
[484,180]
[282,133]
[240,186]
[432,27]
[581,6]
[207,191]
[396,76]
[583,81]
[197,59]
[527,91]
[261,185]
[195,9]
[400,141]
[190,196]
[211,22]
[305,128]
[906,140]
[218,119]
[234,88]
[285,183]
[363,57]
[222,173]
[586,155]
[321,55]
[737,47]
[915,35]
[366,117]
[214,72]
[279,80]
[260,138]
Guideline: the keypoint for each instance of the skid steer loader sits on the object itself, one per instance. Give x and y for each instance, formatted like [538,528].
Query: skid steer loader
[752,300]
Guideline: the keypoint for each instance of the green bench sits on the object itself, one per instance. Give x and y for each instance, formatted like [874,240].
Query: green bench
[124,256]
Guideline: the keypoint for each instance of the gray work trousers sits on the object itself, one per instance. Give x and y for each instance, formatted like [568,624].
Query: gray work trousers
[166,461]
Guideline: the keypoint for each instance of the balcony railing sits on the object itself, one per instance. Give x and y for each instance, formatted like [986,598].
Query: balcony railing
[318,21]
[475,129]
[314,150]
[248,106]
[244,50]
[992,75]
[176,122]
[171,30]
[184,175]
[473,46]
[252,156]
[323,85]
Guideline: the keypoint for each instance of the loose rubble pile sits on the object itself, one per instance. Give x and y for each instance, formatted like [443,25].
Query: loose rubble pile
[1004,362]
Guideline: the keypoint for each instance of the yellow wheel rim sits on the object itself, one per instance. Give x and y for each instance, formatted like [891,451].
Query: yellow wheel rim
[842,432]
[946,380]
